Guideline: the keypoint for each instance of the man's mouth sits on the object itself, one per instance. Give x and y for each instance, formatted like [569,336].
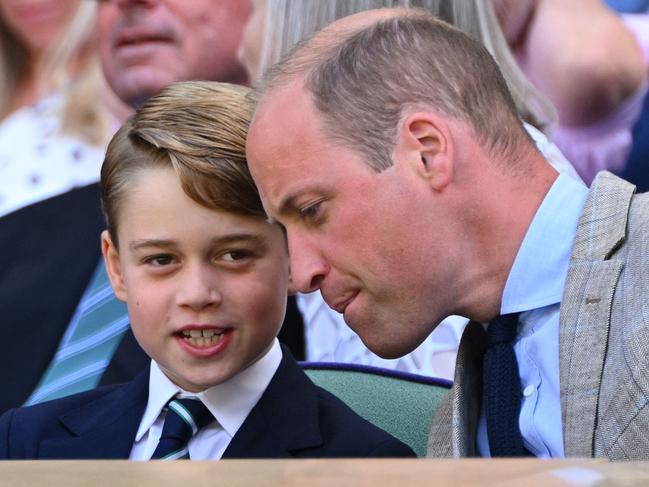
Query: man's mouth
[140,36]
[340,305]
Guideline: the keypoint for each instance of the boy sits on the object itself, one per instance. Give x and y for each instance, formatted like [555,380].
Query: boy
[205,277]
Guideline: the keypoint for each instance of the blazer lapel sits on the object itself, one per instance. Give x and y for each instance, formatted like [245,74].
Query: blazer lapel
[453,433]
[269,431]
[586,307]
[102,429]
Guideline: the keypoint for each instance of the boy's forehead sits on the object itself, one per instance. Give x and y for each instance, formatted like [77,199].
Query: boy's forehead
[156,207]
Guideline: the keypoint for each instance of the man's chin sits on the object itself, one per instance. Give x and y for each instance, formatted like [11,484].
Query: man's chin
[137,90]
[391,342]
[390,347]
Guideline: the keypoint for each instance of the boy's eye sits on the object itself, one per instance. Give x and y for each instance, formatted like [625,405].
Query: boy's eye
[236,255]
[159,260]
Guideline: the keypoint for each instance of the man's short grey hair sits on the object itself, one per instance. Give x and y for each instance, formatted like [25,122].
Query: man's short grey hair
[364,84]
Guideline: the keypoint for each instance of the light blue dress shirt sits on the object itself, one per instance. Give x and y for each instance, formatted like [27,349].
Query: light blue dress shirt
[534,288]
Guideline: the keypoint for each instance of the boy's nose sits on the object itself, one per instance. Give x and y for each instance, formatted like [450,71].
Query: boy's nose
[197,290]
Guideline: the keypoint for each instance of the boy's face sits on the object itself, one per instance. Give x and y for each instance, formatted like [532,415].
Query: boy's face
[206,289]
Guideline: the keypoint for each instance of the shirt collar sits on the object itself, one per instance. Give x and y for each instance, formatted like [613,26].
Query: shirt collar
[229,402]
[535,282]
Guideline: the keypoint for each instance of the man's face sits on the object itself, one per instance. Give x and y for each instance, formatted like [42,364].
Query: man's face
[367,240]
[206,289]
[146,45]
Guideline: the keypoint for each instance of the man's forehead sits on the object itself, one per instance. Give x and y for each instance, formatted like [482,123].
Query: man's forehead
[276,97]
[283,116]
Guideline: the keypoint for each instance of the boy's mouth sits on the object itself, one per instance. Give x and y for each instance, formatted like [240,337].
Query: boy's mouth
[206,337]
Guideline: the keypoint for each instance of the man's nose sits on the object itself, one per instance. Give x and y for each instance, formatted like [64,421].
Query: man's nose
[308,266]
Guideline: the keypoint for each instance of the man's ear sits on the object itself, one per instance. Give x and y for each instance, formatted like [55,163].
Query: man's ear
[425,140]
[113,266]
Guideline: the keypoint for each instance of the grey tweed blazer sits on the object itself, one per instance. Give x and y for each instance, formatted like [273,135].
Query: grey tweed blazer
[604,339]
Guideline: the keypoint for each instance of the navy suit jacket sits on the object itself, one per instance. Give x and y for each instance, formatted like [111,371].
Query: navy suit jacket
[48,252]
[293,418]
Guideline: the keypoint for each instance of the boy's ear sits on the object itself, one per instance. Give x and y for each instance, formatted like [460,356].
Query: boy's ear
[425,143]
[113,266]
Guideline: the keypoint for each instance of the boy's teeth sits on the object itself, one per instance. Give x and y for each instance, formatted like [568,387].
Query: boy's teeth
[202,338]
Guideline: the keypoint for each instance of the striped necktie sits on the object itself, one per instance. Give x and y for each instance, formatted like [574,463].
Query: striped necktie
[89,343]
[185,418]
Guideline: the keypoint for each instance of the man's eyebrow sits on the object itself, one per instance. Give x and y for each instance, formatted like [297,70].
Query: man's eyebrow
[288,204]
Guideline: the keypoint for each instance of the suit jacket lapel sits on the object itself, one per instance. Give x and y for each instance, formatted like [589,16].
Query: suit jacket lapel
[269,431]
[453,433]
[104,428]
[586,307]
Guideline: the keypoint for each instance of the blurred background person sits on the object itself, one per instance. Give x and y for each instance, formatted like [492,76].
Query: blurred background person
[629,6]
[52,129]
[57,116]
[590,63]
[146,45]
[275,27]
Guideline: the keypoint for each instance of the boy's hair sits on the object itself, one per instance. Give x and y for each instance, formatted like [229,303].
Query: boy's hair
[197,128]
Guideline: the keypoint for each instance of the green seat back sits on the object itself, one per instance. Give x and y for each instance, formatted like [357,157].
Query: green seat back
[400,403]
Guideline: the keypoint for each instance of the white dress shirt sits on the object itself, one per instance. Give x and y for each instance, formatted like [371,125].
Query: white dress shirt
[534,288]
[229,402]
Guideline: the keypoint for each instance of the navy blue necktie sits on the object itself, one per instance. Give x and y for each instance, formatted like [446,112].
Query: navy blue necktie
[185,417]
[501,389]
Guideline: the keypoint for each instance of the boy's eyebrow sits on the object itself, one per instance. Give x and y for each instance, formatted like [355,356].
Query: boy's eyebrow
[240,237]
[225,239]
[150,242]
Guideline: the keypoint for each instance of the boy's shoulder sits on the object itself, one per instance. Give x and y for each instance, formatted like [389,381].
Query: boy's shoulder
[307,421]
[23,430]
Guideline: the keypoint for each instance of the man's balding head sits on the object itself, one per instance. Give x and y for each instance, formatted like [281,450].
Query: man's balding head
[363,71]
[383,146]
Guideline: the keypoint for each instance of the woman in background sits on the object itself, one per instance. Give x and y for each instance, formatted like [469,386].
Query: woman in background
[590,63]
[53,120]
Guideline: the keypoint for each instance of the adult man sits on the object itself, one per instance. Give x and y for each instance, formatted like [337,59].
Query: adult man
[390,149]
[50,275]
[146,45]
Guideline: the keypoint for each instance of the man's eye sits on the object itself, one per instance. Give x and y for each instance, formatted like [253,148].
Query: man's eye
[159,260]
[311,212]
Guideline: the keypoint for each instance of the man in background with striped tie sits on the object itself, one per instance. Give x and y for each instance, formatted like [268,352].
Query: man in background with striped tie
[205,278]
